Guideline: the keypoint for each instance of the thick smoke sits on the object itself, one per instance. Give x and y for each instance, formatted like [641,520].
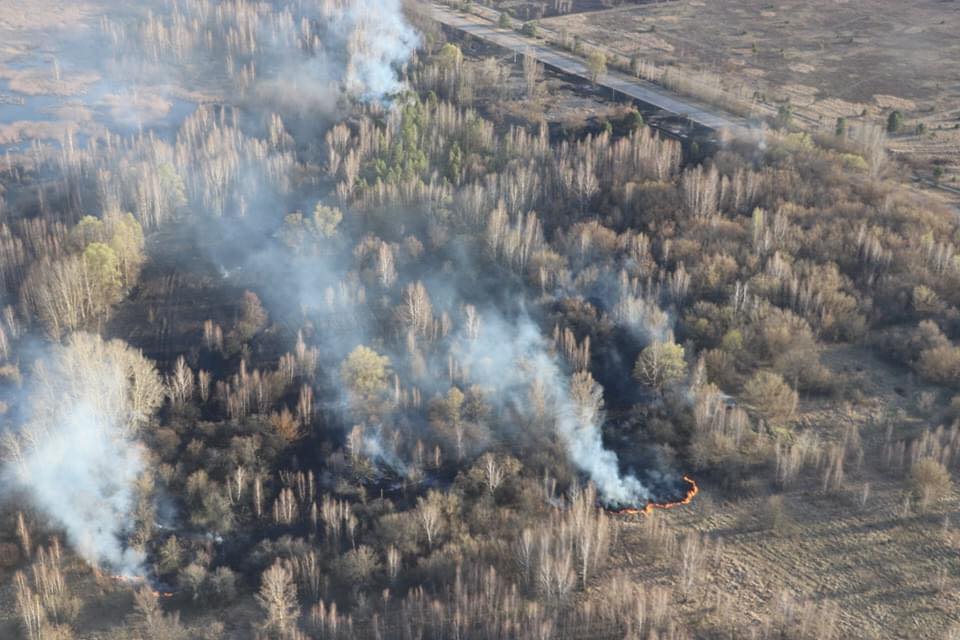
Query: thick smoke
[377,40]
[505,353]
[357,52]
[76,458]
[509,356]
[352,48]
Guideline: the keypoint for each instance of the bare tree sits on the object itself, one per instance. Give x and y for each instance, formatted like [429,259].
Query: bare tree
[180,383]
[692,558]
[203,384]
[149,619]
[471,322]
[532,74]
[278,599]
[30,607]
[701,191]
[45,604]
[393,562]
[385,266]
[23,535]
[580,179]
[416,310]
[587,397]
[871,139]
[493,471]
[430,516]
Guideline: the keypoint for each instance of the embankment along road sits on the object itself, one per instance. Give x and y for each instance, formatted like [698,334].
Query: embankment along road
[698,113]
[641,90]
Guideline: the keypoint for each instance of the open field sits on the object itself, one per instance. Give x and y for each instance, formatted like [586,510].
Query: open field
[58,82]
[890,574]
[828,59]
[21,19]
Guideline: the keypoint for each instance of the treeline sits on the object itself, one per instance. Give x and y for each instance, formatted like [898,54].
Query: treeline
[68,278]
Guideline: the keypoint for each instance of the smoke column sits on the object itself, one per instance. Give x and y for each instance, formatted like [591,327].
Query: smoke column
[360,47]
[76,459]
[372,446]
[377,41]
[508,356]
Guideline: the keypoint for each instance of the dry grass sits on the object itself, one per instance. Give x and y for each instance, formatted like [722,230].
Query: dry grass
[137,107]
[829,59]
[822,44]
[890,575]
[46,82]
[23,15]
[25,130]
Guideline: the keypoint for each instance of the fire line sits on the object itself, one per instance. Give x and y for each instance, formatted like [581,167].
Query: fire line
[139,580]
[648,509]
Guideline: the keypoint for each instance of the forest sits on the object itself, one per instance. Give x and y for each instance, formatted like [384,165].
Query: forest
[364,347]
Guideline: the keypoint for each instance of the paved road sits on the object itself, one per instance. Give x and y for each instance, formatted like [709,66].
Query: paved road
[642,90]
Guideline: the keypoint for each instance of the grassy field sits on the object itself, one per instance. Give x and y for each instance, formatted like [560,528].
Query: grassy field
[857,59]
[887,573]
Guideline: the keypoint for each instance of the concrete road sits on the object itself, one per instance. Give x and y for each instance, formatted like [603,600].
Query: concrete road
[642,90]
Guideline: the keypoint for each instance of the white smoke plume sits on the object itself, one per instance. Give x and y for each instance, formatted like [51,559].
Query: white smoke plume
[77,458]
[358,51]
[372,444]
[644,318]
[377,39]
[509,356]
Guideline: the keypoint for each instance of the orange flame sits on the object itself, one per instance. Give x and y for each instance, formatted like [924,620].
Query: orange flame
[647,510]
[138,580]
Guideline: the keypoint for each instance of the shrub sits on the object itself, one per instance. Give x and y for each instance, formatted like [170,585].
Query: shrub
[768,398]
[773,514]
[929,481]
[940,364]
[597,64]
[894,121]
[220,586]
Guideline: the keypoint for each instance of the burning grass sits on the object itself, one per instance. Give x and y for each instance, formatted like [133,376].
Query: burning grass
[136,582]
[692,490]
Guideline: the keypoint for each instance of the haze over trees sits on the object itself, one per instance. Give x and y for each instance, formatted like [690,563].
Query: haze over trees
[390,366]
